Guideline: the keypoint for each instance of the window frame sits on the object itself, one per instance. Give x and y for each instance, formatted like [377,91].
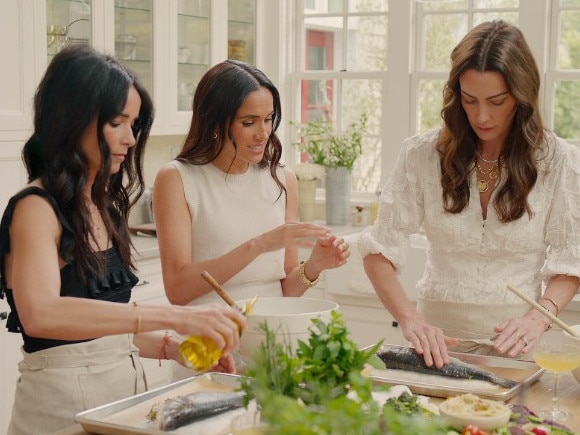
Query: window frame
[538,20]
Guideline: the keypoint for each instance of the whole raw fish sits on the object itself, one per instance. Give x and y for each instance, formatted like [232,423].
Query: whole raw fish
[184,410]
[406,358]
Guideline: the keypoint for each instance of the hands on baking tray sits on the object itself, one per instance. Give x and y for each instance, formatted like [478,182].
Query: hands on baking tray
[427,340]
[519,335]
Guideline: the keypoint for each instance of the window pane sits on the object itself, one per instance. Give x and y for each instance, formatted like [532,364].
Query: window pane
[316,99]
[323,6]
[367,43]
[430,104]
[569,40]
[368,5]
[566,113]
[443,6]
[438,40]
[358,97]
[499,4]
[510,17]
[573,3]
[323,43]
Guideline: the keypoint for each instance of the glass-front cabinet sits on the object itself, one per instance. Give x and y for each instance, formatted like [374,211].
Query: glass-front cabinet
[134,38]
[242,30]
[199,44]
[170,44]
[193,48]
[67,22]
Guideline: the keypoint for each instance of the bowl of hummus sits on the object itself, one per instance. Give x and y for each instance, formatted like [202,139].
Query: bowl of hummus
[470,409]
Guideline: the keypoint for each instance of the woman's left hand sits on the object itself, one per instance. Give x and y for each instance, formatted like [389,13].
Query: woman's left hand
[520,335]
[226,364]
[329,253]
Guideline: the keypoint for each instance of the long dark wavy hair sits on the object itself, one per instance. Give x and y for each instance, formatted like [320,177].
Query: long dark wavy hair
[219,95]
[501,47]
[79,86]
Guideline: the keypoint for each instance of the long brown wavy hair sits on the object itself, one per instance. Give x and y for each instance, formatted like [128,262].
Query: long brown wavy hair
[219,95]
[501,47]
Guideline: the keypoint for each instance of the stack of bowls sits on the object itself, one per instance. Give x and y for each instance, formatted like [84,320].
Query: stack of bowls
[290,319]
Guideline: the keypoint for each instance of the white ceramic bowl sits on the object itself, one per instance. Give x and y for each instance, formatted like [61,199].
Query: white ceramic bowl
[486,414]
[576,371]
[289,317]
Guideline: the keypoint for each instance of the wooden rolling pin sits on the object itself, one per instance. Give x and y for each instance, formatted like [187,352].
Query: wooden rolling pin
[542,310]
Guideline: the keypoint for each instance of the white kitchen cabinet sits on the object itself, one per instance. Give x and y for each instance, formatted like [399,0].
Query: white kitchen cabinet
[18,77]
[10,345]
[175,42]
[169,43]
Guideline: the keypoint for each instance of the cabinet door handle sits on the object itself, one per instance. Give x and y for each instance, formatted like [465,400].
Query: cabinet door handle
[142,282]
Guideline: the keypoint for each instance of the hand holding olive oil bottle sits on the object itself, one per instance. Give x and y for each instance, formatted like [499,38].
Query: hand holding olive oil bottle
[202,353]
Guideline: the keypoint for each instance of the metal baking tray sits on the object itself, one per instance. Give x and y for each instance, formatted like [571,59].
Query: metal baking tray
[523,372]
[129,416]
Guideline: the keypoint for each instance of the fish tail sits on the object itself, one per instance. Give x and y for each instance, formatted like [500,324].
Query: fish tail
[469,371]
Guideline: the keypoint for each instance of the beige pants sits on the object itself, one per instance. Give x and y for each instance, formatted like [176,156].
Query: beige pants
[57,383]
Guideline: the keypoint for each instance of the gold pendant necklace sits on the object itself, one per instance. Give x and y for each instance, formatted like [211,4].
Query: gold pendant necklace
[482,186]
[492,174]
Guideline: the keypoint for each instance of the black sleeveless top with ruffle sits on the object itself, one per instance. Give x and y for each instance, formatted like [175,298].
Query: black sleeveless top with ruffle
[115,285]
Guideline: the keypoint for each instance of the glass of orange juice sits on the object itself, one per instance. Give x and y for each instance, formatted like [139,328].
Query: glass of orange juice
[557,352]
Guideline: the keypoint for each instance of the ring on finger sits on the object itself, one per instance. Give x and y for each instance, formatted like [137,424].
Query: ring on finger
[525,341]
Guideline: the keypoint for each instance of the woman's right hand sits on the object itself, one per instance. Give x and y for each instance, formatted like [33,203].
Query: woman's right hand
[221,323]
[303,234]
[428,341]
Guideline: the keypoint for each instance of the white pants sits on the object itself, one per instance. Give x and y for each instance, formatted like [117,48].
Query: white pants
[57,383]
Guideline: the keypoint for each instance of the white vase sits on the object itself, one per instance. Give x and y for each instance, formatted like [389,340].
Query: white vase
[307,199]
[338,195]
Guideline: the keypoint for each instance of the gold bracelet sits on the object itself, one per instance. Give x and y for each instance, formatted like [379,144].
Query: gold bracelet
[138,328]
[553,303]
[139,321]
[304,278]
[549,311]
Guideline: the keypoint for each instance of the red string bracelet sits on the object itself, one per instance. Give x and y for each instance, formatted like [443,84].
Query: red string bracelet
[163,350]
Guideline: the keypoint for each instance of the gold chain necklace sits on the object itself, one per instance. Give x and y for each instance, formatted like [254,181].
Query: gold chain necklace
[492,174]
[485,160]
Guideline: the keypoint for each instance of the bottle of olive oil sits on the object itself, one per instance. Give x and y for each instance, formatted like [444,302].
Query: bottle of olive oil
[202,353]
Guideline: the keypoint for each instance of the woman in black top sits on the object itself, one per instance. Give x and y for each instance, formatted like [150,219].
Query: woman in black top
[65,251]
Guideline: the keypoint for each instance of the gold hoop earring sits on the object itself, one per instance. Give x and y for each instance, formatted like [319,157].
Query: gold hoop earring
[215,135]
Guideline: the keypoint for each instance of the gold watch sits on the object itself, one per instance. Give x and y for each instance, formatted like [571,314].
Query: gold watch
[304,278]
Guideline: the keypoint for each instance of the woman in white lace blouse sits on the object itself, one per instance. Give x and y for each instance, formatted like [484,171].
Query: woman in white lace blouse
[497,196]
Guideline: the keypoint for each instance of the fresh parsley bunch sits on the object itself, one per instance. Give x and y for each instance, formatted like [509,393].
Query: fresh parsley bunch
[307,391]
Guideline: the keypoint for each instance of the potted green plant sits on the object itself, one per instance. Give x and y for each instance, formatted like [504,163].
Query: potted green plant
[328,147]
[337,152]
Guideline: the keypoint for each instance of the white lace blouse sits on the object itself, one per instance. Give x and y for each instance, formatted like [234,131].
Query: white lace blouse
[470,260]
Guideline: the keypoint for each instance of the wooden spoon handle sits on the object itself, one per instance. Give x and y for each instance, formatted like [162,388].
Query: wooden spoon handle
[220,291]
